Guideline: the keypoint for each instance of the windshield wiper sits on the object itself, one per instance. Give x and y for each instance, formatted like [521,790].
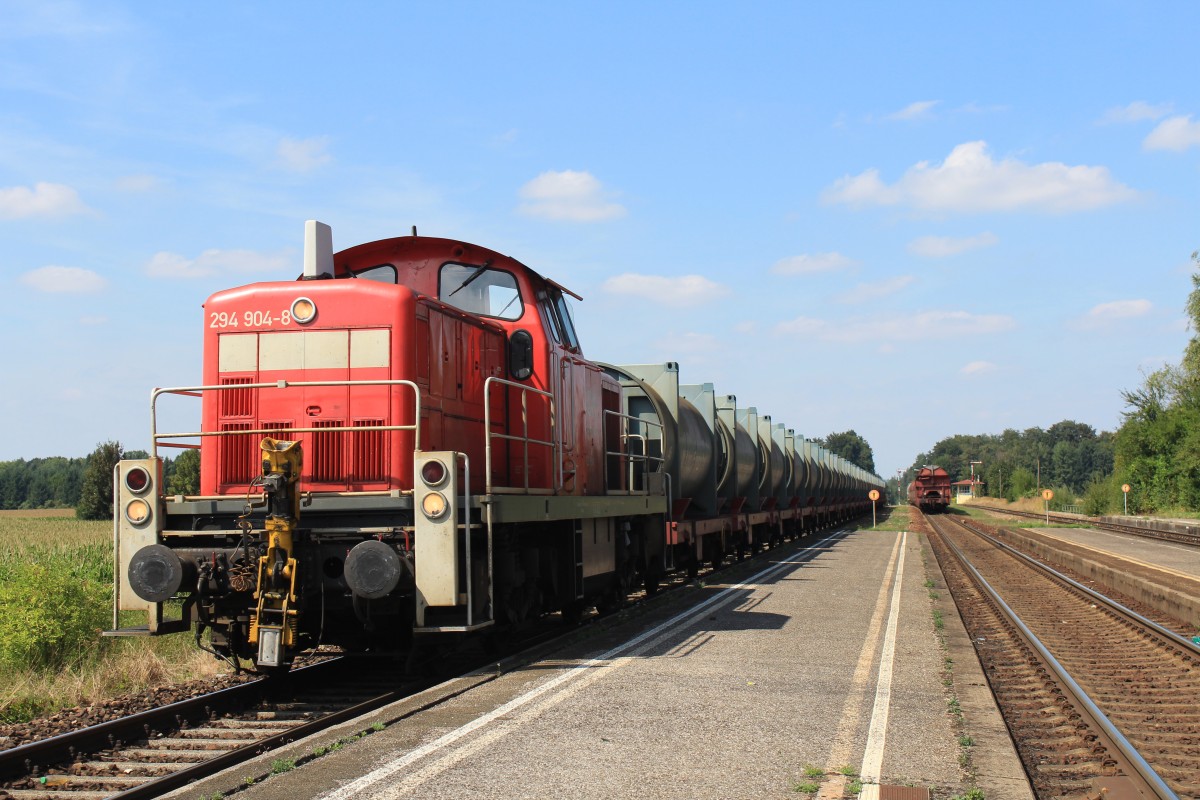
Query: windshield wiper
[478,271]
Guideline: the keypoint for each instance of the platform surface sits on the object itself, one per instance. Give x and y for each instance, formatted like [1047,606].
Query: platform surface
[821,657]
[1168,555]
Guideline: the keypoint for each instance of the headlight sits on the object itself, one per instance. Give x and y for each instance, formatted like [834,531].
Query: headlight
[137,480]
[303,310]
[434,505]
[137,511]
[433,472]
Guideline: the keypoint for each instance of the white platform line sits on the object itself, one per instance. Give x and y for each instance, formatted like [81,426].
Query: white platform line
[369,785]
[843,746]
[872,764]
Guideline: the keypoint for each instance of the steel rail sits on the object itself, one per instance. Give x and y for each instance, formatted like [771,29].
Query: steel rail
[1145,533]
[1082,701]
[1112,604]
[64,747]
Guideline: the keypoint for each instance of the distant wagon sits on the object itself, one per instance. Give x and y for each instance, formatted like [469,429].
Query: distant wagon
[930,491]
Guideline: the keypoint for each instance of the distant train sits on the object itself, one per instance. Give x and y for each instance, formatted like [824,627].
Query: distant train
[930,491]
[409,441]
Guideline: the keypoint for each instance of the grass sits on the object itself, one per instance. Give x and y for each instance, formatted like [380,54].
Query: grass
[808,787]
[56,577]
[894,518]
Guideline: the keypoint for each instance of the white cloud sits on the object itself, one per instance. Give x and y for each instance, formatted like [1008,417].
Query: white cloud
[1137,111]
[969,180]
[916,110]
[138,183]
[943,325]
[1107,313]
[214,262]
[874,290]
[303,155]
[942,246]
[1176,133]
[816,262]
[63,280]
[681,291]
[568,195]
[44,199]
[978,368]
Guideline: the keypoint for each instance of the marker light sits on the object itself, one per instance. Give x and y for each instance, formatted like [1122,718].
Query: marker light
[433,472]
[303,310]
[137,480]
[137,511]
[434,505]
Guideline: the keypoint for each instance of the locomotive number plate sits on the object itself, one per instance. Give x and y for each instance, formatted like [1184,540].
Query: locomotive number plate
[249,319]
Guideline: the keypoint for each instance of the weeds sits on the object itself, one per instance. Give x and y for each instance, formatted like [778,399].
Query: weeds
[56,575]
[807,788]
[282,765]
[971,794]
[813,772]
[938,622]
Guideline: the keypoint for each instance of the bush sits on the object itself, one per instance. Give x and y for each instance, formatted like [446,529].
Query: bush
[50,618]
[1098,498]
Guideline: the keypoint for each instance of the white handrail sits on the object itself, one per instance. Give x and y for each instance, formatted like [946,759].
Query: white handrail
[197,391]
[553,443]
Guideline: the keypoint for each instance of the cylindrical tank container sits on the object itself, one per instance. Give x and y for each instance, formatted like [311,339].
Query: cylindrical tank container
[683,425]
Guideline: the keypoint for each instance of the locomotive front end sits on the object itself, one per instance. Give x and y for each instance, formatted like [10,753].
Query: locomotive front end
[301,532]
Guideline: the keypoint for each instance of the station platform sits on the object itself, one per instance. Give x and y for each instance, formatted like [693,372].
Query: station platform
[1163,575]
[806,671]
[1166,555]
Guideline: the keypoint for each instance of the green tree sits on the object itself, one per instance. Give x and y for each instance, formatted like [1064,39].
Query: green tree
[852,447]
[1157,449]
[185,473]
[96,495]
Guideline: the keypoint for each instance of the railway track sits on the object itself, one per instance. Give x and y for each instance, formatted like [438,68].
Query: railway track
[1095,696]
[152,752]
[155,751]
[1179,537]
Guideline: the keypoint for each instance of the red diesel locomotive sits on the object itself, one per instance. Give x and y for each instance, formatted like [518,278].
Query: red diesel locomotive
[930,490]
[408,440]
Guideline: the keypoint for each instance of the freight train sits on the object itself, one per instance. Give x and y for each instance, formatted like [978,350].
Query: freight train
[408,441]
[930,490]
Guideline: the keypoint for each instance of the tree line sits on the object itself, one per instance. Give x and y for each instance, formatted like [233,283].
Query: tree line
[1068,455]
[85,484]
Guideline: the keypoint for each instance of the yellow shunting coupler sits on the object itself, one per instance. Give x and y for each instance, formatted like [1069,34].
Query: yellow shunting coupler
[273,626]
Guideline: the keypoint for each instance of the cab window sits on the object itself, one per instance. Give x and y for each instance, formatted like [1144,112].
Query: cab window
[564,319]
[383,273]
[480,290]
[550,317]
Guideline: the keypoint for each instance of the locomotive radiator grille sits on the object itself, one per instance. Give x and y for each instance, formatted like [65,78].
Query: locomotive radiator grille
[369,453]
[327,450]
[237,402]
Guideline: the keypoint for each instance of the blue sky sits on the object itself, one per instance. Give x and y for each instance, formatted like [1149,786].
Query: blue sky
[913,220]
